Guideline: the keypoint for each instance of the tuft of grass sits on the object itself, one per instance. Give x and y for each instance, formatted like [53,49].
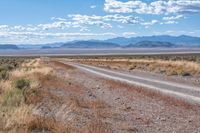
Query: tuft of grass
[13,97]
[4,75]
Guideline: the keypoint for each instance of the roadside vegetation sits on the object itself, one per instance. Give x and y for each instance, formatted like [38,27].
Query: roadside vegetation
[18,84]
[170,68]
[170,65]
[28,105]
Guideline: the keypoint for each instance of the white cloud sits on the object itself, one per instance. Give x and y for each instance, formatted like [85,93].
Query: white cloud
[55,25]
[169,22]
[50,34]
[31,37]
[4,28]
[93,6]
[155,7]
[148,24]
[89,20]
[129,34]
[173,18]
[103,21]
[58,18]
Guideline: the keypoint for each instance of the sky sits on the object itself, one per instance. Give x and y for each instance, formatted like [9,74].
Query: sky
[49,21]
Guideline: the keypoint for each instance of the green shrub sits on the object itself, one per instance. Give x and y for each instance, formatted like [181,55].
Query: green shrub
[21,84]
[4,75]
[13,97]
[185,74]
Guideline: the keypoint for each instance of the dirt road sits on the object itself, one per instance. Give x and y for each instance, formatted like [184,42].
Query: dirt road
[181,91]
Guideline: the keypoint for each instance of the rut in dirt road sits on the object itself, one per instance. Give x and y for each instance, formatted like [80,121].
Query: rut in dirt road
[181,91]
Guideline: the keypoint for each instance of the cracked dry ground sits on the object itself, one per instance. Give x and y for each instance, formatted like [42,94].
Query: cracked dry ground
[86,103]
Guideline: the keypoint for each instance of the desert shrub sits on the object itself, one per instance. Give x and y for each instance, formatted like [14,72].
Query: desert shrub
[21,84]
[9,67]
[4,75]
[132,67]
[184,73]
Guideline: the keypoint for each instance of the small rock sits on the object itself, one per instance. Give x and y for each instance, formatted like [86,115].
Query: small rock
[98,87]
[117,98]
[128,108]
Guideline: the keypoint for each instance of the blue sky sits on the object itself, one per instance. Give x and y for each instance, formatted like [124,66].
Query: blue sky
[48,21]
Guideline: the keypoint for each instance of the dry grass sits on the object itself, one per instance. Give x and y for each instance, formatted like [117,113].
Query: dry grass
[42,124]
[27,73]
[80,102]
[21,119]
[14,119]
[168,67]
[96,126]
[15,114]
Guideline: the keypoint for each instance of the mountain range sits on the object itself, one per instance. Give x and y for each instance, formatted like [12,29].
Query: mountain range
[8,46]
[119,42]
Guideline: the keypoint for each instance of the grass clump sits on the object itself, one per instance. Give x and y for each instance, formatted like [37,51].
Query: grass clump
[4,75]
[13,97]
[184,73]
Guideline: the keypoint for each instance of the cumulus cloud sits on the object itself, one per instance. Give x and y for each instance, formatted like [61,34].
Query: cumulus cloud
[103,20]
[55,25]
[30,37]
[155,7]
[4,27]
[89,20]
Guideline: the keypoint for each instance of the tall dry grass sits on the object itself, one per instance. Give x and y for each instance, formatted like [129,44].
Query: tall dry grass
[15,114]
[168,67]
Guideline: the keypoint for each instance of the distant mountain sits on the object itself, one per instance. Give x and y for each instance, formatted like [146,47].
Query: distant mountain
[8,46]
[46,47]
[143,41]
[120,40]
[182,40]
[89,44]
[151,44]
